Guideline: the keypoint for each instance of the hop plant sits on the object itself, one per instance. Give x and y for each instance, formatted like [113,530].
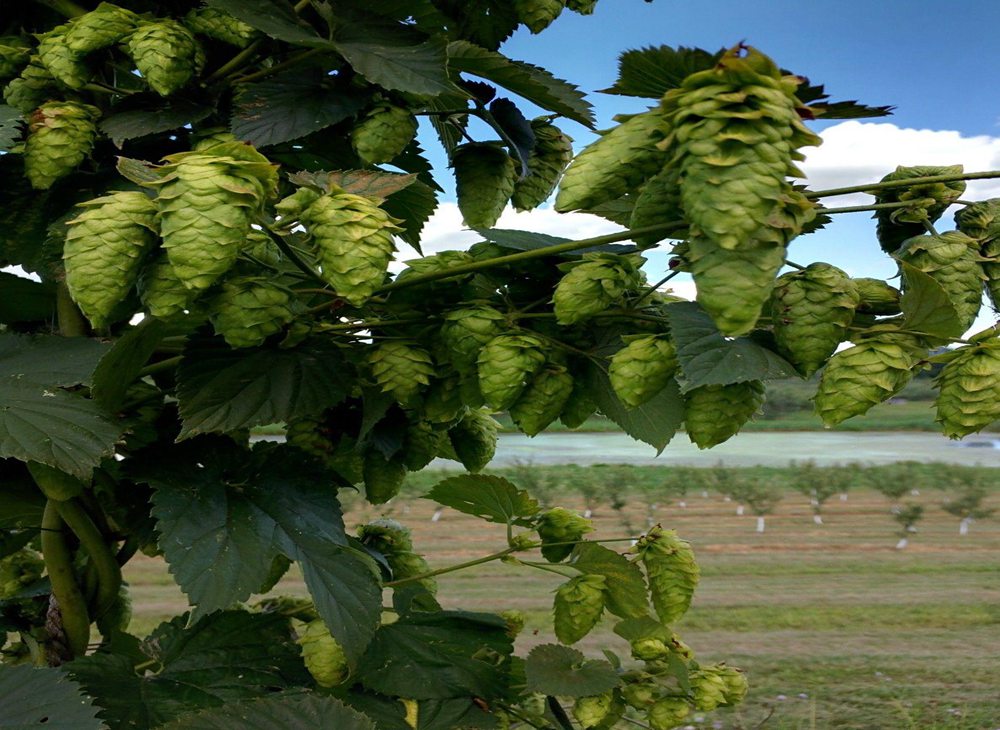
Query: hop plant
[560,525]
[505,365]
[324,657]
[221,26]
[969,390]
[65,65]
[642,368]
[668,713]
[672,572]
[383,476]
[896,225]
[551,154]
[161,290]
[166,54]
[474,439]
[401,368]
[249,309]
[593,285]
[716,413]
[877,297]
[579,406]
[538,14]
[14,55]
[578,606]
[103,26]
[383,133]
[484,179]
[104,249]
[32,88]
[354,239]
[811,310]
[542,400]
[60,136]
[952,260]
[465,331]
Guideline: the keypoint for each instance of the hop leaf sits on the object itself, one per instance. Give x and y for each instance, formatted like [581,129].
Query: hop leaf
[221,26]
[383,133]
[484,179]
[166,54]
[560,525]
[323,655]
[668,713]
[104,249]
[60,135]
[383,477]
[552,152]
[474,439]
[952,260]
[248,310]
[65,65]
[402,369]
[594,285]
[969,390]
[466,330]
[716,413]
[542,400]
[896,225]
[505,364]
[103,26]
[538,14]
[578,606]
[672,571]
[642,369]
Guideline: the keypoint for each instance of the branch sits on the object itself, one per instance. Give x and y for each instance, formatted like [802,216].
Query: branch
[989,175]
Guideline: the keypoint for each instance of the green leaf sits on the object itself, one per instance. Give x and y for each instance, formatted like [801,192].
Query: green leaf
[138,171]
[561,671]
[121,365]
[414,205]
[654,422]
[530,241]
[708,358]
[926,306]
[488,497]
[41,422]
[292,105]
[226,657]
[642,627]
[626,588]
[531,82]
[818,100]
[375,184]
[653,71]
[222,390]
[10,127]
[438,656]
[275,18]
[25,300]
[450,714]
[21,502]
[487,23]
[43,698]
[134,123]
[279,712]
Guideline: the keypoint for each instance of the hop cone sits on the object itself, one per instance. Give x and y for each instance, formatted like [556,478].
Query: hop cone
[484,179]
[474,439]
[465,332]
[559,525]
[593,285]
[969,390]
[407,564]
[383,477]
[60,135]
[552,152]
[595,711]
[402,369]
[898,224]
[642,369]
[506,363]
[952,260]
[980,220]
[166,54]
[161,291]
[14,55]
[354,238]
[708,689]
[672,572]
[615,164]
[383,133]
[538,14]
[542,400]
[291,207]
[104,26]
[668,713]
[323,656]
[421,445]
[19,569]
[658,202]
[877,297]
[865,375]
[387,536]
[248,310]
[579,406]
[65,65]
[811,310]
[220,26]
[736,683]
[583,7]
[34,86]
[104,249]
[716,413]
[578,606]
[443,401]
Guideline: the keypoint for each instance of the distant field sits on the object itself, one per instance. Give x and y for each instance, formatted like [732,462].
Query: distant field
[835,627]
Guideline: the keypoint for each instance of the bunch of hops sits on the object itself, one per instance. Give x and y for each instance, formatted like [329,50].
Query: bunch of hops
[505,365]
[161,290]
[667,713]
[323,656]
[484,180]
[383,476]
[981,221]
[466,330]
[166,54]
[560,525]
[104,249]
[542,400]
[930,200]
[969,390]
[952,260]
[249,309]
[811,310]
[599,711]
[401,368]
[60,136]
[552,152]
[716,413]
[578,606]
[220,26]
[354,241]
[736,131]
[474,439]
[642,368]
[102,27]
[593,285]
[34,86]
[579,406]
[877,297]
[672,572]
[14,54]
[615,164]
[538,14]
[67,67]
[383,133]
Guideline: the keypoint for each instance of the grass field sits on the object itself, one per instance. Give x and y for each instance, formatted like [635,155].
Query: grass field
[835,627]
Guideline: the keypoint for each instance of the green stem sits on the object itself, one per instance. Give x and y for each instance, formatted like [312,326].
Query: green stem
[159,367]
[655,286]
[451,568]
[234,63]
[109,573]
[282,244]
[888,185]
[349,327]
[922,203]
[930,228]
[636,723]
[547,567]
[278,68]
[71,321]
[559,713]
[794,265]
[553,250]
[67,8]
[65,590]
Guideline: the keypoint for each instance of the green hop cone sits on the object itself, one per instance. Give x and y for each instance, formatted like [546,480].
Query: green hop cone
[642,368]
[386,535]
[930,201]
[65,65]
[596,283]
[716,413]
[952,260]
[538,14]
[969,390]
[354,239]
[323,655]
[542,400]
[668,713]
[383,133]
[247,310]
[578,606]
[559,525]
[161,290]
[869,373]
[466,330]
[708,689]
[672,572]
[383,477]
[484,179]
[14,55]
[811,310]
[505,365]
[32,88]
[552,152]
[877,297]
[60,136]
[103,26]
[591,712]
[736,683]
[18,570]
[981,221]
[658,202]
[514,620]
[474,439]
[104,249]
[421,445]
[401,368]
[220,26]
[442,401]
[579,406]
[166,54]
[408,564]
